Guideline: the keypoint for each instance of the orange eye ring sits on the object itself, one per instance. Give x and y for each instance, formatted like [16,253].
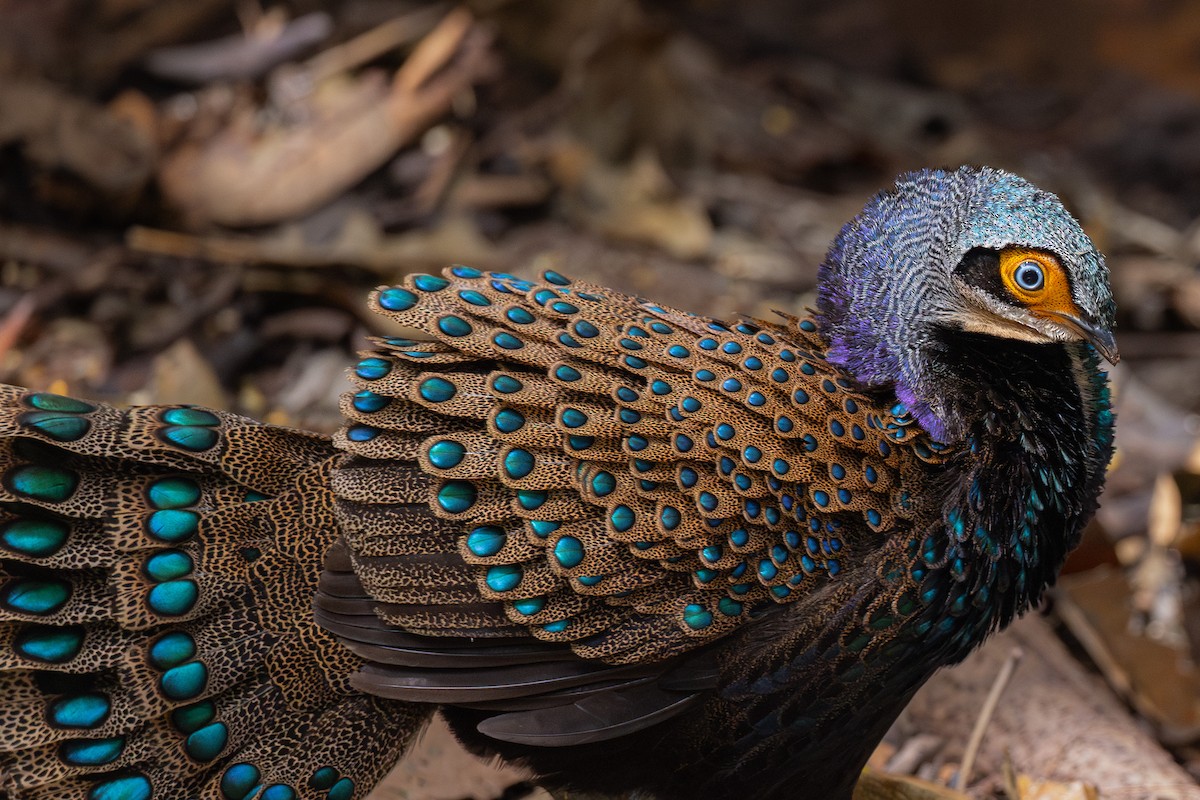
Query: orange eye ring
[1036,279]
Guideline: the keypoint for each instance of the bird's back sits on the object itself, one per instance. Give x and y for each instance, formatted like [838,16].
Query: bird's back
[625,507]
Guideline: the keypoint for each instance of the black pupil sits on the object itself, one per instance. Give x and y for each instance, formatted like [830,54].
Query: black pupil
[1029,275]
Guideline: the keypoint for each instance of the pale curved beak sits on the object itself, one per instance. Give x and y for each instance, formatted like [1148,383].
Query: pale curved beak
[1100,338]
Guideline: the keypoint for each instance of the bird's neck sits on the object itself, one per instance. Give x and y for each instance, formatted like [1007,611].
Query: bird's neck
[1013,496]
[1036,439]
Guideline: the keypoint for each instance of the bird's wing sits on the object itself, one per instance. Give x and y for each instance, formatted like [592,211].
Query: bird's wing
[568,487]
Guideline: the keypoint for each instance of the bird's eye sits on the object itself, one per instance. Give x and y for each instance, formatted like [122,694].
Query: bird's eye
[1029,276]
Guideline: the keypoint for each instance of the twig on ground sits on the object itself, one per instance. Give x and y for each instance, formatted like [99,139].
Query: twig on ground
[985,716]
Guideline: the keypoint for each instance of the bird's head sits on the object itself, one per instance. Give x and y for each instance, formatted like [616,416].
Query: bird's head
[973,249]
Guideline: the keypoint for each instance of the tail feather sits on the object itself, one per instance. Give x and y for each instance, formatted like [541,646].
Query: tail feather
[157,570]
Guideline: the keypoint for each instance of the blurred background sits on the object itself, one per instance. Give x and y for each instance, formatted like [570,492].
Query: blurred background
[197,195]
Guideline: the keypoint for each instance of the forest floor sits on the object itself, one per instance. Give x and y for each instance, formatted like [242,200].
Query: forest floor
[197,195]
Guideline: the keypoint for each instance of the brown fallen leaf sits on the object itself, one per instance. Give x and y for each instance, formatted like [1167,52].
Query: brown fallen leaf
[875,785]
[1029,788]
[57,130]
[255,174]
[1157,579]
[1159,680]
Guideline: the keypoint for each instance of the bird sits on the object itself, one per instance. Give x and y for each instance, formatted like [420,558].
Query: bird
[640,552]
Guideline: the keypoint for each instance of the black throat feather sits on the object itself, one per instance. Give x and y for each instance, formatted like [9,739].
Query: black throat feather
[1023,482]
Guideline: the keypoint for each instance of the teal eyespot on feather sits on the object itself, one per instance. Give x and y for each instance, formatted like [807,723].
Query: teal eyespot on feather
[83,711]
[580,443]
[58,426]
[567,374]
[603,484]
[239,780]
[446,454]
[729,607]
[519,315]
[486,541]
[568,551]
[278,791]
[362,433]
[39,597]
[190,437]
[437,390]
[369,402]
[457,497]
[173,598]
[323,778]
[172,649]
[38,482]
[173,493]
[574,418]
[191,718]
[173,525]
[670,517]
[397,299]
[531,499]
[167,565]
[507,341]
[185,681]
[91,752]
[342,790]
[474,298]
[509,421]
[529,606]
[430,283]
[124,787]
[208,742]
[49,644]
[190,416]
[697,617]
[518,463]
[34,538]
[622,518]
[44,401]
[503,578]
[454,326]
[507,384]
[372,369]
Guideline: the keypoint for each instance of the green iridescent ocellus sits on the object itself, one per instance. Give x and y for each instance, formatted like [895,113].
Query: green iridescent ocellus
[642,552]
